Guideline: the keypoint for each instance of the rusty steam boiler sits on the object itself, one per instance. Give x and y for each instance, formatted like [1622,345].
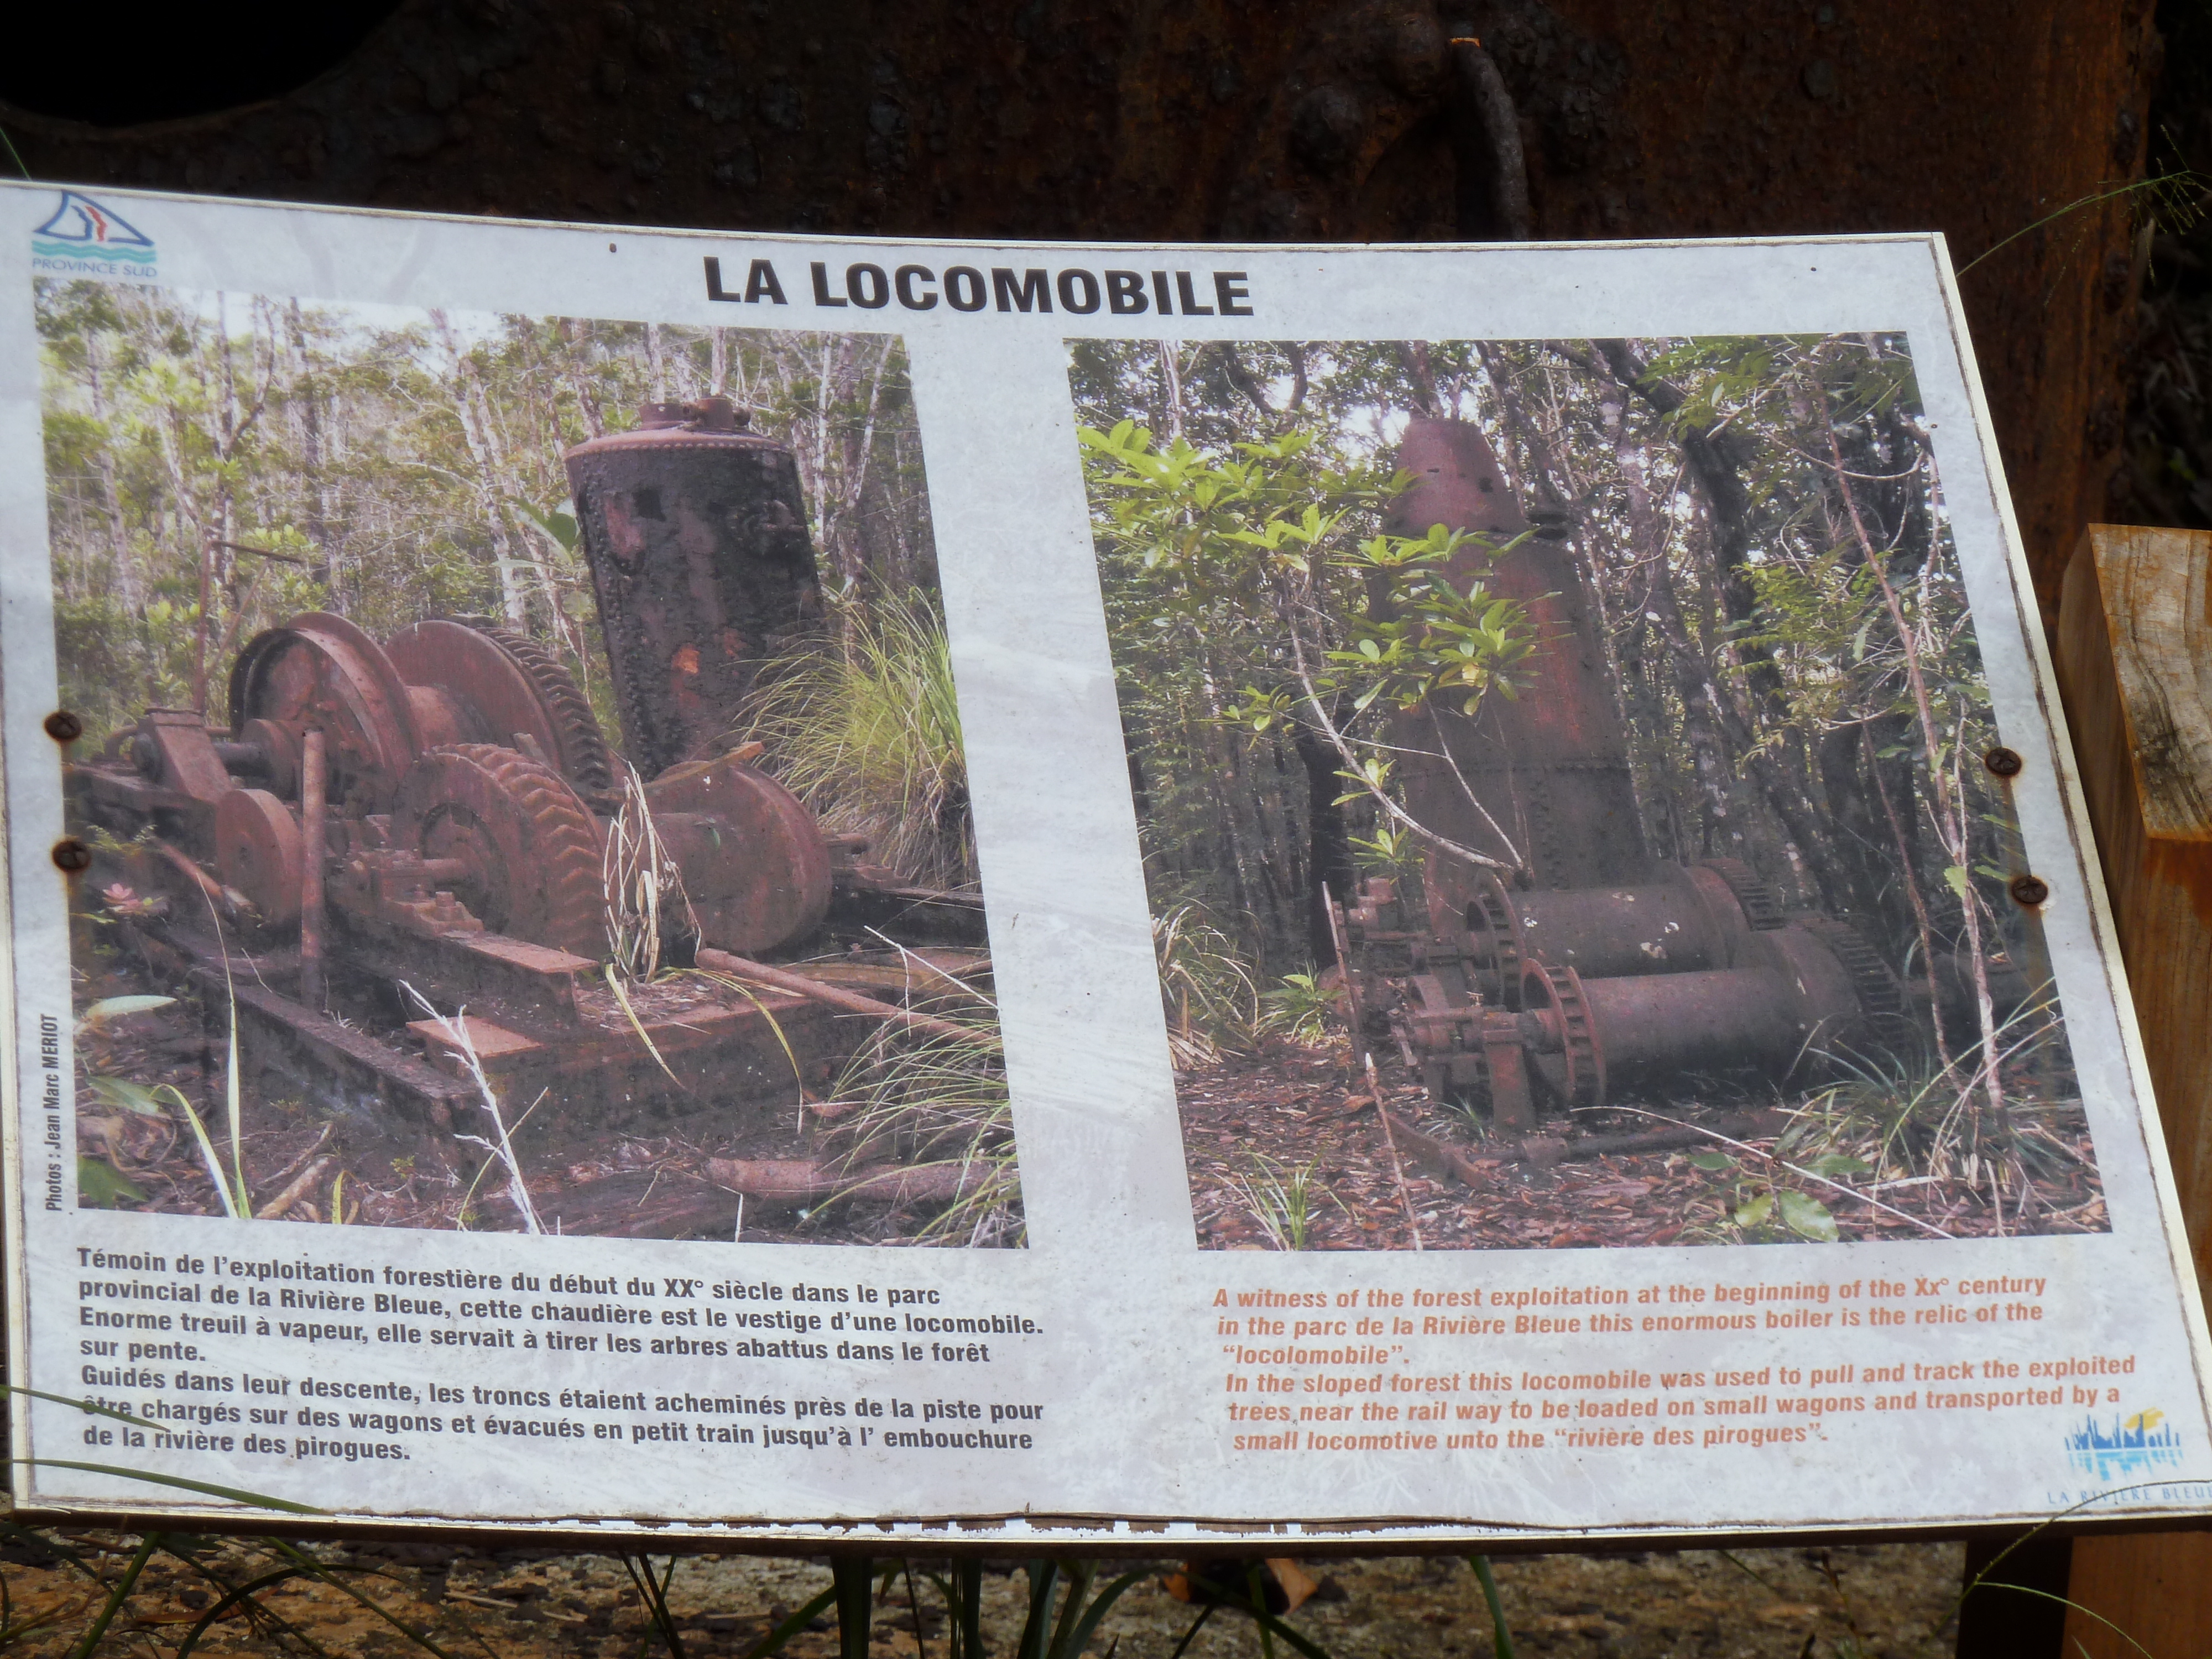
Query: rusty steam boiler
[1595,969]
[435,808]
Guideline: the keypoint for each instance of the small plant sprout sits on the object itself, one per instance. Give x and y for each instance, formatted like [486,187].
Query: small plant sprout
[1282,1200]
[1300,1006]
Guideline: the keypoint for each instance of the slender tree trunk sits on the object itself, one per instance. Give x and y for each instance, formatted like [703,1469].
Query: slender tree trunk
[577,333]
[479,433]
[1692,680]
[1329,843]
[1951,826]
[128,586]
[307,397]
[1171,389]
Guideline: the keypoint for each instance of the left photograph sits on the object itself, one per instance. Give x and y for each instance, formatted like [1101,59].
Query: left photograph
[517,777]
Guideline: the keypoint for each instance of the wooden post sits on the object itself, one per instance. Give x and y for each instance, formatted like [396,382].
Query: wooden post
[2135,634]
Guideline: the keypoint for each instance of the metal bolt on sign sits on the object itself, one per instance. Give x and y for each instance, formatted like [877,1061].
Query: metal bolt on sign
[2030,890]
[64,726]
[2004,762]
[72,856]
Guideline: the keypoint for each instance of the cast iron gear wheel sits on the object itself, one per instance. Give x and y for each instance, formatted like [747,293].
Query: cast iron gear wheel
[532,847]
[1762,909]
[1881,1000]
[1578,1075]
[1492,908]
[584,758]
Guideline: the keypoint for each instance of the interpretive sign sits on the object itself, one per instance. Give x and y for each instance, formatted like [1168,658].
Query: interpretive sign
[750,883]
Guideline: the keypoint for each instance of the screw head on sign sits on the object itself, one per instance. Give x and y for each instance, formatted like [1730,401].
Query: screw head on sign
[2005,763]
[72,855]
[64,726]
[2030,890]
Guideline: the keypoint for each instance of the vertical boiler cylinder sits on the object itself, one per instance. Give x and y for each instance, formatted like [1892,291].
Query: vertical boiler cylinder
[695,532]
[1551,767]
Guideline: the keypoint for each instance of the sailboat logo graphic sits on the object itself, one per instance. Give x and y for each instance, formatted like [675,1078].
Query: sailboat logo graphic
[80,228]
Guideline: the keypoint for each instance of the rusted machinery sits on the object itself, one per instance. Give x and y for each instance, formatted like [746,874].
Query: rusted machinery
[435,810]
[1593,970]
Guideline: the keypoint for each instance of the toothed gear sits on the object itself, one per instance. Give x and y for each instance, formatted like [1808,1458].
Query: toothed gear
[1441,1027]
[1762,909]
[532,847]
[1576,1073]
[1491,905]
[584,758]
[1881,1000]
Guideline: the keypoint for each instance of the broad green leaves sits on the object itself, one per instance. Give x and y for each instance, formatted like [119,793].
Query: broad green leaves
[99,1184]
[1273,552]
[1760,1209]
[129,1097]
[1806,1217]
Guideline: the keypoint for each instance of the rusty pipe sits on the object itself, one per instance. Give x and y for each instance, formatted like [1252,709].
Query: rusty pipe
[314,786]
[721,961]
[1688,919]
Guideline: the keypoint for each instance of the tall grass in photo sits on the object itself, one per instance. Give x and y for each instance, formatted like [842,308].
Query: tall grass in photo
[1212,1002]
[932,1104]
[864,726]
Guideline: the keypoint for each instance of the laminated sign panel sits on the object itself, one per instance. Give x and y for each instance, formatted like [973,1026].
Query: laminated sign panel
[750,884]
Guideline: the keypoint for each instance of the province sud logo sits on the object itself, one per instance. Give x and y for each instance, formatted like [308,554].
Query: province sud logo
[81,238]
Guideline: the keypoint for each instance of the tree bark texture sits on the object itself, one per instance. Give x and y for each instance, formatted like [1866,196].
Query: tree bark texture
[1351,119]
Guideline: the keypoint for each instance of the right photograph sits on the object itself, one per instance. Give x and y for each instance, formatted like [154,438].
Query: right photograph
[1571,809]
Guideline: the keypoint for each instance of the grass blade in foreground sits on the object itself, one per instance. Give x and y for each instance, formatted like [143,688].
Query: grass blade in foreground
[1501,1637]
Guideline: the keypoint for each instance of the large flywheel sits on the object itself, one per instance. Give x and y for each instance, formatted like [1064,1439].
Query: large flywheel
[530,847]
[322,672]
[481,683]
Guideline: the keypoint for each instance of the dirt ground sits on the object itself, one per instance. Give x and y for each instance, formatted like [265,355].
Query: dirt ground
[644,1174]
[1251,1121]
[1882,1602]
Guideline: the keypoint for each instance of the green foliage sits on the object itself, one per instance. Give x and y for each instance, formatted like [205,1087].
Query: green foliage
[934,1101]
[1212,1001]
[1760,1209]
[1264,622]
[1270,542]
[99,1184]
[280,457]
[1300,1007]
[1282,1199]
[864,727]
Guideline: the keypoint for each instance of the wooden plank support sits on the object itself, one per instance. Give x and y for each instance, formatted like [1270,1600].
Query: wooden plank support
[2135,668]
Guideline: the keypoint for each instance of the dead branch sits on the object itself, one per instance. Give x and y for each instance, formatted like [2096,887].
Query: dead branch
[782,979]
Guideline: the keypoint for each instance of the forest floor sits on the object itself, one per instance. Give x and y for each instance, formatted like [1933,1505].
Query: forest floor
[649,1176]
[1894,1601]
[1287,1150]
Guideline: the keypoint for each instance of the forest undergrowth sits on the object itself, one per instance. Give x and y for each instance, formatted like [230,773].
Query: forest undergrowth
[385,1599]
[160,1131]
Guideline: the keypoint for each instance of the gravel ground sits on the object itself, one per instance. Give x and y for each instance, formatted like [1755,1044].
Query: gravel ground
[1891,1600]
